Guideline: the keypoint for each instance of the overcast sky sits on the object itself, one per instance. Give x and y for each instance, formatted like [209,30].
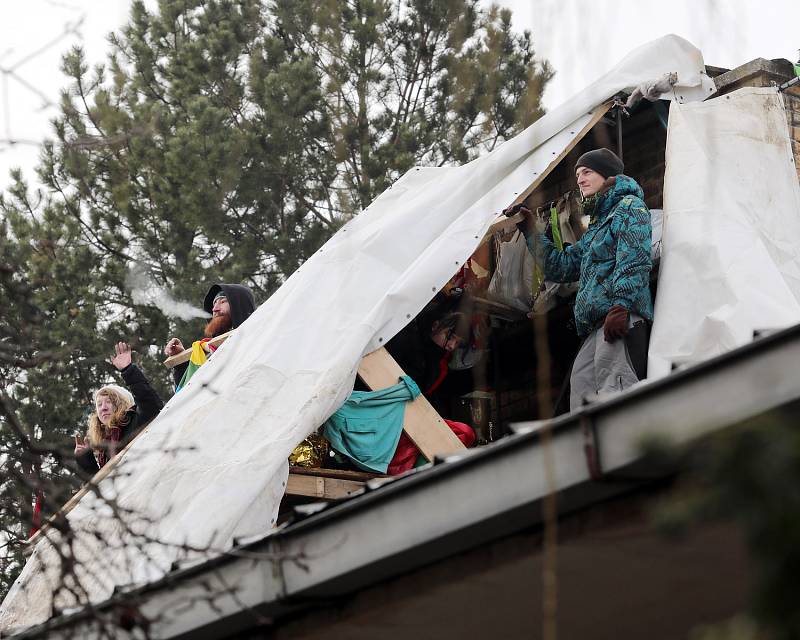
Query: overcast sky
[33,36]
[582,39]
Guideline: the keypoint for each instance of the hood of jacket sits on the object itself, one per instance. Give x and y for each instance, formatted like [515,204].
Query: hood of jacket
[623,186]
[240,299]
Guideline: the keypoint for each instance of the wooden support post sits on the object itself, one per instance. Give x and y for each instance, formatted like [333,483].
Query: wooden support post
[421,423]
[379,370]
[501,224]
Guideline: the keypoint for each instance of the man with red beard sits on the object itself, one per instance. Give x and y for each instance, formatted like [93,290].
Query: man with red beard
[229,305]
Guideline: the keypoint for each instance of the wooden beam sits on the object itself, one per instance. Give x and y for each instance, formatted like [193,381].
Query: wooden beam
[321,487]
[184,355]
[596,117]
[339,474]
[503,223]
[421,423]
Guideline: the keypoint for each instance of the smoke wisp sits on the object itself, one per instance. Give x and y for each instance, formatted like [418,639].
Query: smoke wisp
[145,291]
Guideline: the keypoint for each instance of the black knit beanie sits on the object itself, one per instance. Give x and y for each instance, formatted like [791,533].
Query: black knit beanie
[605,162]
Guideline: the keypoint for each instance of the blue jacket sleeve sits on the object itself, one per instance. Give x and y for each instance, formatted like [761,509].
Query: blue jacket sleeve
[633,258]
[559,266]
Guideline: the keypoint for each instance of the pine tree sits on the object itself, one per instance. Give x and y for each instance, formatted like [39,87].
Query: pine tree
[412,83]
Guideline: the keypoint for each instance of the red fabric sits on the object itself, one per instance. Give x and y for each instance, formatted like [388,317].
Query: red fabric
[36,520]
[405,457]
[114,436]
[443,371]
[466,278]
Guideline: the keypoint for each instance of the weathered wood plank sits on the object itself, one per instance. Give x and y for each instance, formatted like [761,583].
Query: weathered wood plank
[598,114]
[341,474]
[501,222]
[313,486]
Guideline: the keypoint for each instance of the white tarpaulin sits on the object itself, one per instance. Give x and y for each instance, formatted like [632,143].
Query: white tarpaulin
[212,466]
[730,257]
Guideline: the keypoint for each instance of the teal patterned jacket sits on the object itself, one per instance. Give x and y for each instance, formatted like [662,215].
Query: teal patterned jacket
[612,260]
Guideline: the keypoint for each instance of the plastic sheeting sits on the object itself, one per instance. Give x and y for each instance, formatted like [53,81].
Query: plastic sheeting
[513,277]
[730,262]
[212,466]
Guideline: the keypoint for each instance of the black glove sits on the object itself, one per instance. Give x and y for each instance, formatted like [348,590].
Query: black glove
[515,209]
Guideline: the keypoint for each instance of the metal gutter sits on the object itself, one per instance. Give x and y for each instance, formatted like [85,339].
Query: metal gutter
[463,502]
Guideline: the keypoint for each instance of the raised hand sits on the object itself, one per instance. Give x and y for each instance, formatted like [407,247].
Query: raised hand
[81,447]
[122,355]
[173,347]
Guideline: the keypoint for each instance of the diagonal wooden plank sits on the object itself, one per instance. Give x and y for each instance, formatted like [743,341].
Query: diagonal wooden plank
[421,423]
[597,115]
[501,222]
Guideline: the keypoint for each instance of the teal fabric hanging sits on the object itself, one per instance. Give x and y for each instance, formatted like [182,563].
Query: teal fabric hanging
[368,425]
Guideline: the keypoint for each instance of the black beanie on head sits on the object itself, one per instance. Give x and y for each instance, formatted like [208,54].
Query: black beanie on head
[605,162]
[241,301]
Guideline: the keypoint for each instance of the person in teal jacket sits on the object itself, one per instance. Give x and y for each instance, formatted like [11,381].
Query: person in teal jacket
[612,264]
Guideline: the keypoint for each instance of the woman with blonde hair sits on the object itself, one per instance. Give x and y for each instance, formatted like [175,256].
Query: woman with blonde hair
[119,413]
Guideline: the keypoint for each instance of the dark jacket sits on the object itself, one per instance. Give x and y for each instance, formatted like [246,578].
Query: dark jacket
[416,353]
[611,261]
[424,361]
[148,405]
[242,304]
